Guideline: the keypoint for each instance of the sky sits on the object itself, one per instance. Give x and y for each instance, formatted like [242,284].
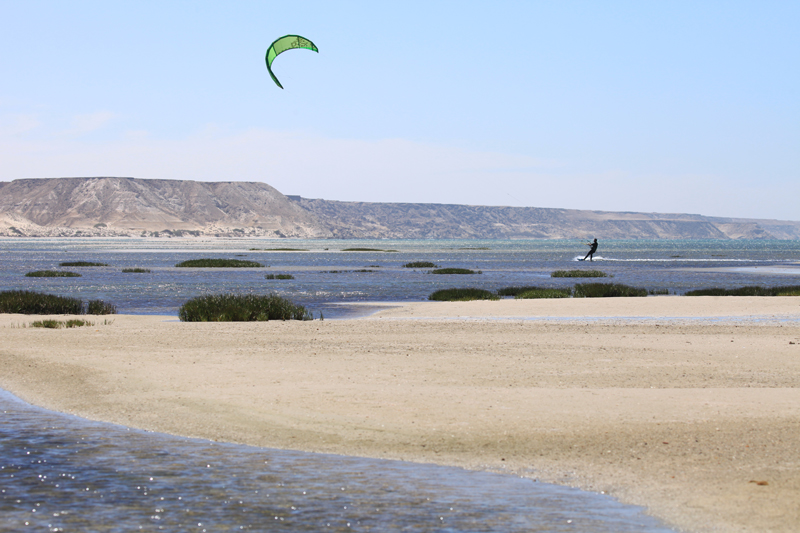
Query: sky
[670,107]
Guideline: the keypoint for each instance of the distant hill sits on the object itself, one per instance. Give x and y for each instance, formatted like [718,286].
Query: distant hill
[108,206]
[129,206]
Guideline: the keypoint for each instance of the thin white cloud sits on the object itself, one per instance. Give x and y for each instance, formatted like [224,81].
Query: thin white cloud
[11,125]
[87,123]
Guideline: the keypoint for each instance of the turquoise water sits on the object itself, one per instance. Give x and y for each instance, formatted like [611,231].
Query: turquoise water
[325,276]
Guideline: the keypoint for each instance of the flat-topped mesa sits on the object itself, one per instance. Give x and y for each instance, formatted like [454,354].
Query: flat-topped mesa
[110,206]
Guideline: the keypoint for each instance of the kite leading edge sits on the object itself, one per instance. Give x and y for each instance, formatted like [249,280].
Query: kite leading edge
[287,42]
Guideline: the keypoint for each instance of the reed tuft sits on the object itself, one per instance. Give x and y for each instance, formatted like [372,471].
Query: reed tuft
[241,308]
[462,295]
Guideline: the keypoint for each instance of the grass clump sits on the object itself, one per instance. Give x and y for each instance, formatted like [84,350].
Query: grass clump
[513,291]
[35,303]
[544,293]
[462,295]
[52,274]
[82,264]
[788,290]
[57,324]
[578,274]
[136,270]
[99,307]
[658,292]
[279,276]
[453,271]
[218,263]
[241,308]
[421,264]
[606,290]
[366,250]
[278,249]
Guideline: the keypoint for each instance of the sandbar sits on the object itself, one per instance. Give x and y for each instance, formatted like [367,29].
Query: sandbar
[689,407]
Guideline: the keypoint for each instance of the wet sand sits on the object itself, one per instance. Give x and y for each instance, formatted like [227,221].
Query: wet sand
[687,406]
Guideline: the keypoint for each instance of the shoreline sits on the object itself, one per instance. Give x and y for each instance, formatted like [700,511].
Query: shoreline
[678,417]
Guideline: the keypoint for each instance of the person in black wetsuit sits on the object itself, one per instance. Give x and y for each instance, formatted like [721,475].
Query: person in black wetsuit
[592,250]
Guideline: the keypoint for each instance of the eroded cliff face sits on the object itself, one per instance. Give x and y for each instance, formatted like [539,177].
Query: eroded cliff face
[128,206]
[427,221]
[132,207]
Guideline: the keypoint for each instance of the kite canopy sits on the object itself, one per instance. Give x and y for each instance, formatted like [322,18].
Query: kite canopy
[287,42]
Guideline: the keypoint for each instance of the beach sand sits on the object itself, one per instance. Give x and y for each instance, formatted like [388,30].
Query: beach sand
[687,406]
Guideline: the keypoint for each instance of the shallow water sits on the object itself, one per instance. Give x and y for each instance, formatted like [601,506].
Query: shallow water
[63,473]
[325,275]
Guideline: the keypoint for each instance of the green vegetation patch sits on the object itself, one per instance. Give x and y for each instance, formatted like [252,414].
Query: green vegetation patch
[462,295]
[35,303]
[788,290]
[57,324]
[82,264]
[278,249]
[279,276]
[99,307]
[658,292]
[52,274]
[578,274]
[544,293]
[218,263]
[421,264]
[241,308]
[513,291]
[366,250]
[606,290]
[136,270]
[453,271]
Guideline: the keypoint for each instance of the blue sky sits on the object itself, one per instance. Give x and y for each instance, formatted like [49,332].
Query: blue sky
[624,106]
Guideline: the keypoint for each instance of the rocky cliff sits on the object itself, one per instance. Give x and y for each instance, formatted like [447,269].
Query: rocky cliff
[424,221]
[128,206]
[134,207]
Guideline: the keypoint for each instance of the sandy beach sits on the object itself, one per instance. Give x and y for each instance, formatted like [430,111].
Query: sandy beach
[689,407]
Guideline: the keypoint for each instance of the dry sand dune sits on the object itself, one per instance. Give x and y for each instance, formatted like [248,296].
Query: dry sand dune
[696,417]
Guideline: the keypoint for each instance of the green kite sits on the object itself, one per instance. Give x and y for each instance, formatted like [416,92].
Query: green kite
[287,42]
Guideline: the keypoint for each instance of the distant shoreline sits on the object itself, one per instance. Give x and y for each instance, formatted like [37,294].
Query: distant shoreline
[155,207]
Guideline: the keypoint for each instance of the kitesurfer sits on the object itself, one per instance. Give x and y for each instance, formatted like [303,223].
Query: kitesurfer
[592,250]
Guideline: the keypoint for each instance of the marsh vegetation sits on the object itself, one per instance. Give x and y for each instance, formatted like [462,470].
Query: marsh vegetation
[52,274]
[606,290]
[453,271]
[544,293]
[578,274]
[462,295]
[57,324]
[218,263]
[82,264]
[241,308]
[37,303]
[366,250]
[279,276]
[787,290]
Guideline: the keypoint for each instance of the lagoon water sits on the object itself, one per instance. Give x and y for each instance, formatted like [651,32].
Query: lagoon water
[325,276]
[60,473]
